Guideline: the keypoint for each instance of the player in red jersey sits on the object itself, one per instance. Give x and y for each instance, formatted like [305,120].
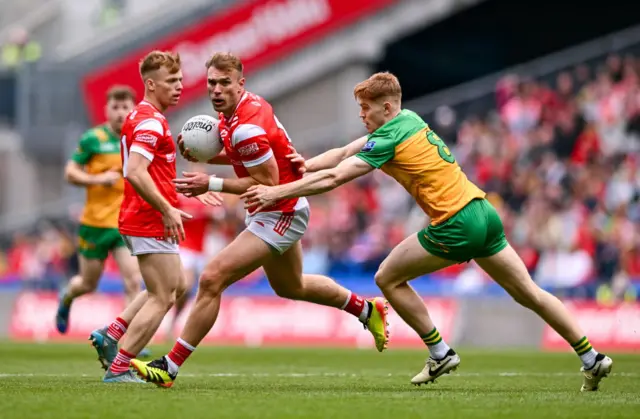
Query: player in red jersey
[257,145]
[149,221]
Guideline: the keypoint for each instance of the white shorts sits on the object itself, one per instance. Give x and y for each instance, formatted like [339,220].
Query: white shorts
[192,260]
[149,245]
[280,230]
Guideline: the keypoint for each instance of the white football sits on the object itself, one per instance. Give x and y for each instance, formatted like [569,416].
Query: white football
[201,136]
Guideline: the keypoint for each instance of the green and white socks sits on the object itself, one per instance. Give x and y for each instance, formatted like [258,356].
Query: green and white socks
[586,352]
[438,348]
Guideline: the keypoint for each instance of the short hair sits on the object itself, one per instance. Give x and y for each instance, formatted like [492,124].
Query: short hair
[155,60]
[118,92]
[380,85]
[225,61]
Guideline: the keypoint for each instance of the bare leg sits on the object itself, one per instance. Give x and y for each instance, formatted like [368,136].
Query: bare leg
[241,257]
[130,271]
[408,261]
[508,270]
[162,276]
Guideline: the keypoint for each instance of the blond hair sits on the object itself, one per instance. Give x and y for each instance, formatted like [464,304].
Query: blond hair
[155,60]
[225,61]
[380,85]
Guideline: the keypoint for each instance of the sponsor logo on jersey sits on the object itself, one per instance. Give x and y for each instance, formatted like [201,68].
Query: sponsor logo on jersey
[146,138]
[248,150]
[108,147]
[368,146]
[171,157]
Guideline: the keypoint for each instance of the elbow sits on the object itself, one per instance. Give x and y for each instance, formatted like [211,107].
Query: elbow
[70,178]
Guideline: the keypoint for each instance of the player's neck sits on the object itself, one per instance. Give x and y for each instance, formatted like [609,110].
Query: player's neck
[392,116]
[113,130]
[156,104]
[233,110]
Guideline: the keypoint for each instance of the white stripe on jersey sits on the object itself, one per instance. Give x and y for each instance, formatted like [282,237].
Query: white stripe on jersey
[146,154]
[259,160]
[245,132]
[150,125]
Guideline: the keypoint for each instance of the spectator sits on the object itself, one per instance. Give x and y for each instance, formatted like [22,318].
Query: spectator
[20,49]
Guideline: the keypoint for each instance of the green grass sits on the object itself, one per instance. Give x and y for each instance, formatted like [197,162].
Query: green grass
[64,381]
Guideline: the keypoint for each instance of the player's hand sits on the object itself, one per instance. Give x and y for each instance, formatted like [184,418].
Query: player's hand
[173,228]
[192,184]
[185,151]
[212,199]
[108,178]
[259,197]
[299,163]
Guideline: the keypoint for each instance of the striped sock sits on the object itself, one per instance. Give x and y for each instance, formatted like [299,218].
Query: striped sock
[438,348]
[117,329]
[180,352]
[586,352]
[121,363]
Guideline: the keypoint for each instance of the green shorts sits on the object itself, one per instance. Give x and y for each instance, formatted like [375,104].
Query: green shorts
[97,242]
[476,231]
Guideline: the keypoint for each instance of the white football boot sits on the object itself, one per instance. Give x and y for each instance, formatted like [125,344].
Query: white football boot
[436,368]
[593,375]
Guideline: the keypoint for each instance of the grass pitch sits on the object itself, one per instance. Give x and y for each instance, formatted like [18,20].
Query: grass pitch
[64,381]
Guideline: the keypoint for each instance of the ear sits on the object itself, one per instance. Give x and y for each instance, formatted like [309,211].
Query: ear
[151,85]
[387,108]
[241,82]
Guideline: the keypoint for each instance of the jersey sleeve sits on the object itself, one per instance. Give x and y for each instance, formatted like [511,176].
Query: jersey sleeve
[86,148]
[146,135]
[251,142]
[377,151]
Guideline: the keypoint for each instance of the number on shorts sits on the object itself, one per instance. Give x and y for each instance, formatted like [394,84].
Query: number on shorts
[443,150]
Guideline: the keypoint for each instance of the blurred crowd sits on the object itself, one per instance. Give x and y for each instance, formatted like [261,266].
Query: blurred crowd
[558,159]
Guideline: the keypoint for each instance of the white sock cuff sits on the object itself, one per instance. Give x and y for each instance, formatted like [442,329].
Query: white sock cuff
[186,345]
[346,301]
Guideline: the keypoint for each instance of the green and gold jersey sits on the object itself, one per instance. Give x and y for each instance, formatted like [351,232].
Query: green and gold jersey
[98,152]
[406,149]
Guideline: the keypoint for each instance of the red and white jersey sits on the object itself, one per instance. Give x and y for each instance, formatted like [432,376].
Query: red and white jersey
[146,132]
[196,228]
[252,136]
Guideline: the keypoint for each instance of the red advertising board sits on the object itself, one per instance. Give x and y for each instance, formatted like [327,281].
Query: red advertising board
[259,32]
[609,328]
[244,321]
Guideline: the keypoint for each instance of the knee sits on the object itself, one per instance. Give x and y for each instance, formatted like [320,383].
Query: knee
[293,292]
[88,285]
[384,278]
[165,299]
[529,297]
[132,284]
[212,280]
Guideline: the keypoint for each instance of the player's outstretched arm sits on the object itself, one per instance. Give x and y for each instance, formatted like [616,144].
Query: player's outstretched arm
[316,183]
[333,157]
[75,174]
[194,184]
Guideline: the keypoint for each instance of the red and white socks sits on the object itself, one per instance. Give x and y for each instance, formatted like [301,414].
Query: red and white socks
[121,363]
[117,329]
[357,306]
[178,354]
